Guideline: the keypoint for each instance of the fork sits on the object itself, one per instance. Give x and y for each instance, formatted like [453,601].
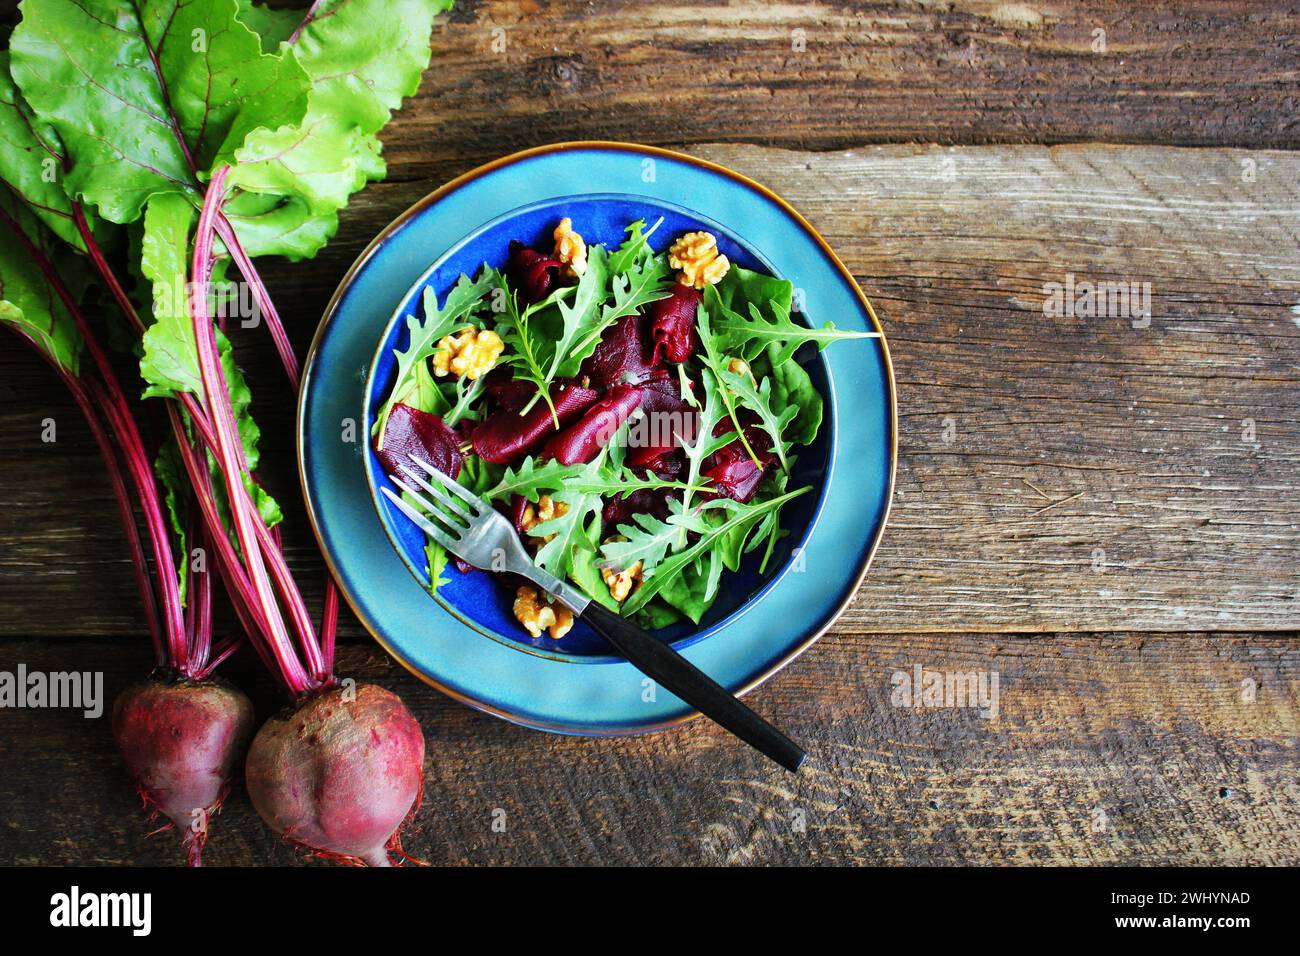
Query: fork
[474,531]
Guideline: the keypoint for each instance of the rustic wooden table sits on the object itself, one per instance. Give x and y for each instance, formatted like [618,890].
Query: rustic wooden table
[1102,510]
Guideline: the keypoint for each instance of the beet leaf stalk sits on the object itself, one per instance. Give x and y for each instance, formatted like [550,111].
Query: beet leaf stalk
[204,175]
[181,732]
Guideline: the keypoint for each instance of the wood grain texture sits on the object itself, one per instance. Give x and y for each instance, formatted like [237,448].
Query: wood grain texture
[832,74]
[1065,474]
[1107,749]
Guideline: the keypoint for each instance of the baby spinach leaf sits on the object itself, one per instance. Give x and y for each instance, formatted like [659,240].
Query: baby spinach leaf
[792,388]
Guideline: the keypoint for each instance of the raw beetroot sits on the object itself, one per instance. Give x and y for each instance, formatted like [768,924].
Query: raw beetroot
[340,774]
[182,740]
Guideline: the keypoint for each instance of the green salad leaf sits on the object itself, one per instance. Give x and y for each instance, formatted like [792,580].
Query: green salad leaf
[197,84]
[463,302]
[750,337]
[739,515]
[635,250]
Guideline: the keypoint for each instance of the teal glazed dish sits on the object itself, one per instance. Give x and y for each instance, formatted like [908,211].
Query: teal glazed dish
[466,642]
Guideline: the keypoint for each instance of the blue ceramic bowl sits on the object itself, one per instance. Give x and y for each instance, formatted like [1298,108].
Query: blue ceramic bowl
[517,196]
[475,596]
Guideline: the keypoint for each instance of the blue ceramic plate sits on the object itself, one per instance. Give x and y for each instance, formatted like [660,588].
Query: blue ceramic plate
[760,623]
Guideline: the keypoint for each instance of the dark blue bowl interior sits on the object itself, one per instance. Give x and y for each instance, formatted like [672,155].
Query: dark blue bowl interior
[475,596]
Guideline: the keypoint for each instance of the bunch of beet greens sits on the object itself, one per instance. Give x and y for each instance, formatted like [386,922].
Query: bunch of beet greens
[153,150]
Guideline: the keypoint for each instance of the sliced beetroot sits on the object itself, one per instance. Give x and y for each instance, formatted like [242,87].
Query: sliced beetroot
[531,272]
[582,441]
[620,509]
[731,469]
[518,504]
[625,355]
[507,391]
[666,421]
[412,432]
[672,324]
[505,436]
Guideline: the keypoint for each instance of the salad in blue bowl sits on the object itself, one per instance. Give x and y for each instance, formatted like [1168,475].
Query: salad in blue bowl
[636,390]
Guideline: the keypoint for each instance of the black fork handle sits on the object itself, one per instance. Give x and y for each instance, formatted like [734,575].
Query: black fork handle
[675,673]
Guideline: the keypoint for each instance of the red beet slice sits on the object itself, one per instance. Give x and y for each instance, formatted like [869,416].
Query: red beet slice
[625,355]
[619,509]
[672,324]
[412,432]
[731,469]
[507,391]
[532,273]
[583,440]
[505,436]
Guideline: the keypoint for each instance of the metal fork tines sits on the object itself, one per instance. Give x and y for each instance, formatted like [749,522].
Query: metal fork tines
[471,528]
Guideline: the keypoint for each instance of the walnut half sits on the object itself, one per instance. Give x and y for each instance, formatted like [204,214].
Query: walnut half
[570,248]
[470,352]
[696,256]
[537,615]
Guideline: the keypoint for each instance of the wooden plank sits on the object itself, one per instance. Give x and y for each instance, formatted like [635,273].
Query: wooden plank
[834,73]
[1055,474]
[1117,748]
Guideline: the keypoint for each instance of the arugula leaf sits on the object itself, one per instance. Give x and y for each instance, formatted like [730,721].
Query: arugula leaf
[27,302]
[749,337]
[642,284]
[713,359]
[706,443]
[758,400]
[635,249]
[577,529]
[581,316]
[194,68]
[739,515]
[649,539]
[532,478]
[586,574]
[464,299]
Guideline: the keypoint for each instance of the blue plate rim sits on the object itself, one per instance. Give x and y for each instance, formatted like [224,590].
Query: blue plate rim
[385,516]
[363,259]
